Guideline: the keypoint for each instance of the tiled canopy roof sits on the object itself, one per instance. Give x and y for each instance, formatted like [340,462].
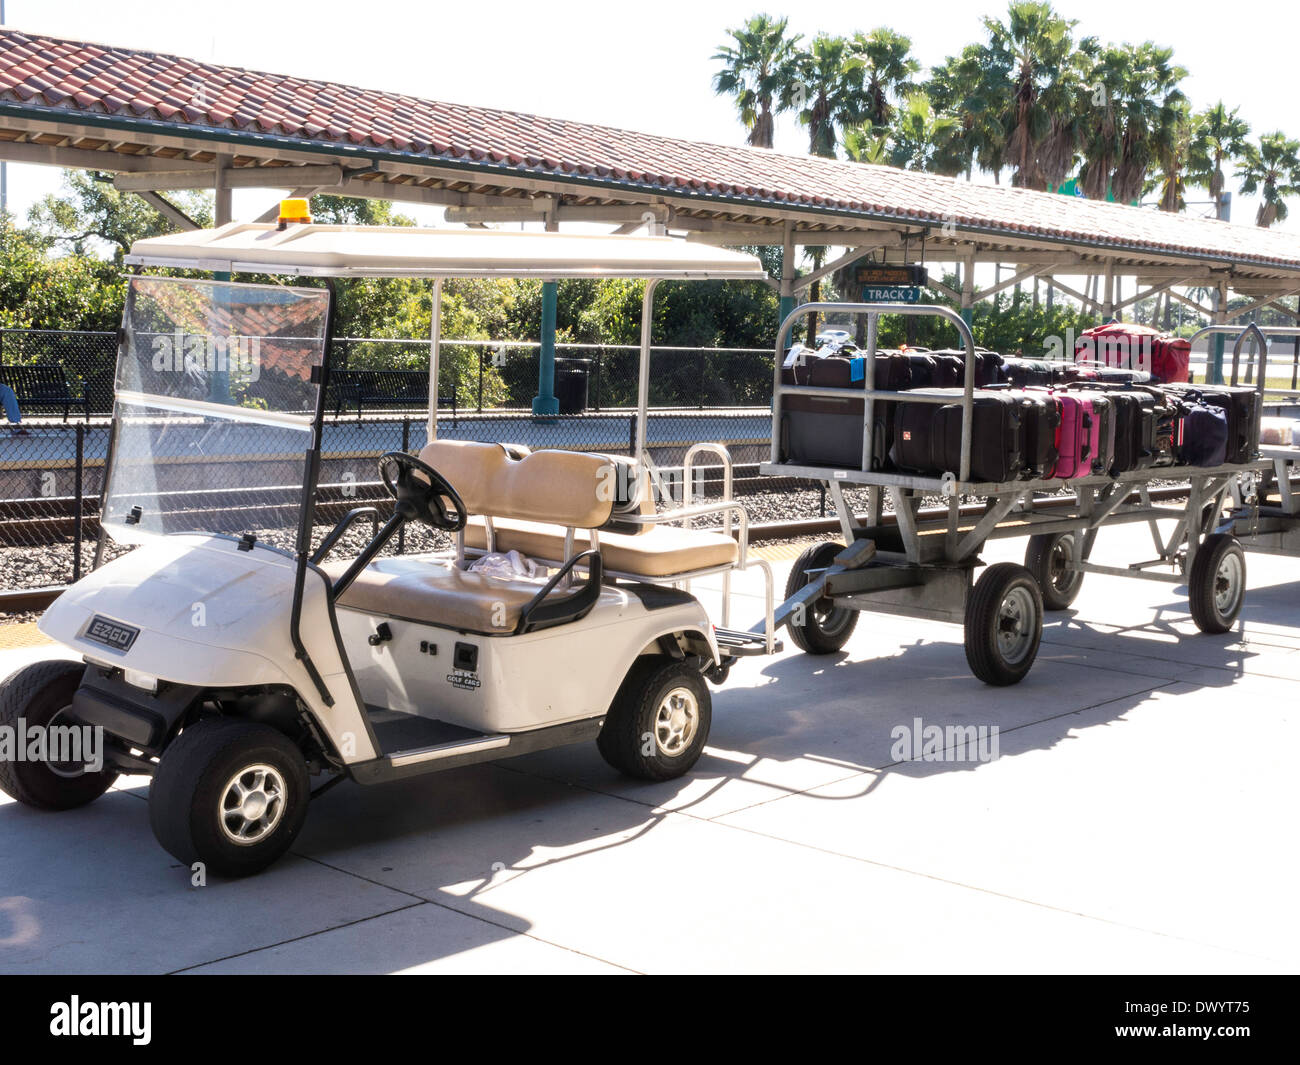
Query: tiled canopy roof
[76,81]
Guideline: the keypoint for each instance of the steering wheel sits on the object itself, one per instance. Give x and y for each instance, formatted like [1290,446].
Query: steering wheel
[422,492]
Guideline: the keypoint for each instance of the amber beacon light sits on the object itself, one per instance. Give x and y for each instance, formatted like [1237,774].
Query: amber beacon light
[294,209]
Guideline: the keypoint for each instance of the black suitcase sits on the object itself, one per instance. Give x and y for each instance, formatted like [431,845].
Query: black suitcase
[827,431]
[893,372]
[1028,373]
[1041,416]
[1240,405]
[927,436]
[988,366]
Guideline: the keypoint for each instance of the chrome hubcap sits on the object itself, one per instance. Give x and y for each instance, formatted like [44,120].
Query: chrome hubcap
[1016,626]
[252,804]
[1058,563]
[676,721]
[66,770]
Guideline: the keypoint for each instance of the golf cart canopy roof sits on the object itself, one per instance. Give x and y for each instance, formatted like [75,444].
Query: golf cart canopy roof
[406,251]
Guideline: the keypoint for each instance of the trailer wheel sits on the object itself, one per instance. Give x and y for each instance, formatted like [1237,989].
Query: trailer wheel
[1216,586]
[1004,624]
[825,627]
[658,723]
[230,794]
[38,695]
[1048,557]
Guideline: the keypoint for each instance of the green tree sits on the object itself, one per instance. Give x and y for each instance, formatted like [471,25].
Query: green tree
[90,210]
[1037,45]
[1271,169]
[886,73]
[974,88]
[826,92]
[42,291]
[756,68]
[922,140]
[1150,111]
[1173,155]
[1221,138]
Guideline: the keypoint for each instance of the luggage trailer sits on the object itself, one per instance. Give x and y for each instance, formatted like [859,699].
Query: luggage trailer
[923,565]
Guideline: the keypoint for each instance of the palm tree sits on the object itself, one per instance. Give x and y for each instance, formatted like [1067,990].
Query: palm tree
[975,91]
[922,140]
[864,145]
[888,66]
[1102,138]
[756,69]
[1038,46]
[827,91]
[1149,111]
[1272,169]
[1220,138]
[1173,154]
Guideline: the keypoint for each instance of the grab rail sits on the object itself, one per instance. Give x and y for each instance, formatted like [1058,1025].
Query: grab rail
[873,311]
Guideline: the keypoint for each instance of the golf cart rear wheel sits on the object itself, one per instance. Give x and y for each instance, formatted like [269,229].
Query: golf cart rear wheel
[1048,558]
[230,794]
[39,696]
[659,721]
[1004,624]
[823,627]
[1216,586]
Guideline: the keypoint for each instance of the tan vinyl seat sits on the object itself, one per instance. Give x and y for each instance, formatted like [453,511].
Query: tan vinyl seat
[661,551]
[437,593]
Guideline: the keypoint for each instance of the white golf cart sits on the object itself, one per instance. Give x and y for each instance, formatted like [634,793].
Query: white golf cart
[230,658]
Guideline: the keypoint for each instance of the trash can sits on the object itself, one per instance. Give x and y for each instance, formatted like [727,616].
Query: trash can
[571,377]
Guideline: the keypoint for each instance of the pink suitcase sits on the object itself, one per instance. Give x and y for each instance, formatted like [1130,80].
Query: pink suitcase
[1082,435]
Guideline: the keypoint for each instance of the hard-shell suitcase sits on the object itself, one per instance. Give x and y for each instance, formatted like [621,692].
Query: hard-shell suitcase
[1031,373]
[988,366]
[827,431]
[892,373]
[924,372]
[1041,416]
[927,436]
[1087,434]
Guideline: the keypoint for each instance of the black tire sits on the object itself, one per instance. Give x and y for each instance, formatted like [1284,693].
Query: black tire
[635,741]
[1046,558]
[826,627]
[1004,624]
[1216,586]
[195,780]
[38,694]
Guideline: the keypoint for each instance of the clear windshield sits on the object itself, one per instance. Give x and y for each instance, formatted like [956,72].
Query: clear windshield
[214,408]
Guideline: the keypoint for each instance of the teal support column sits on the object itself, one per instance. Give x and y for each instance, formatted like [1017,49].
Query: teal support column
[544,403]
[1215,375]
[219,378]
[783,308]
[968,315]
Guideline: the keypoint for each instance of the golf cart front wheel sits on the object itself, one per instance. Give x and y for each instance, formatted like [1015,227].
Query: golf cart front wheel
[230,794]
[659,721]
[33,701]
[1049,557]
[1004,624]
[1216,586]
[821,627]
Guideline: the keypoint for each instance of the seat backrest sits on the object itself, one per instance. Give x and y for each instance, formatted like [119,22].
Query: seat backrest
[560,487]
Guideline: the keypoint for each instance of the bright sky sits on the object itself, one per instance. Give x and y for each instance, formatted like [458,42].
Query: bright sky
[644,68]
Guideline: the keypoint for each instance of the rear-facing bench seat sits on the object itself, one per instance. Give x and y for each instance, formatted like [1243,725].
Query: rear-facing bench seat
[535,499]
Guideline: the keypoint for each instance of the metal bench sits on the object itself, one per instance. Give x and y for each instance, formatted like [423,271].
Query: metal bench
[378,388]
[42,387]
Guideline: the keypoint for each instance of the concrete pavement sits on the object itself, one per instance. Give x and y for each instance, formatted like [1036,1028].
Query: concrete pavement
[1139,818]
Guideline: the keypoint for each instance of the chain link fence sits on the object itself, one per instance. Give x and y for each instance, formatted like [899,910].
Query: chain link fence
[52,463]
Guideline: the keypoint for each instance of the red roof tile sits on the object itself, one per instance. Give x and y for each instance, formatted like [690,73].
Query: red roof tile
[45,74]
